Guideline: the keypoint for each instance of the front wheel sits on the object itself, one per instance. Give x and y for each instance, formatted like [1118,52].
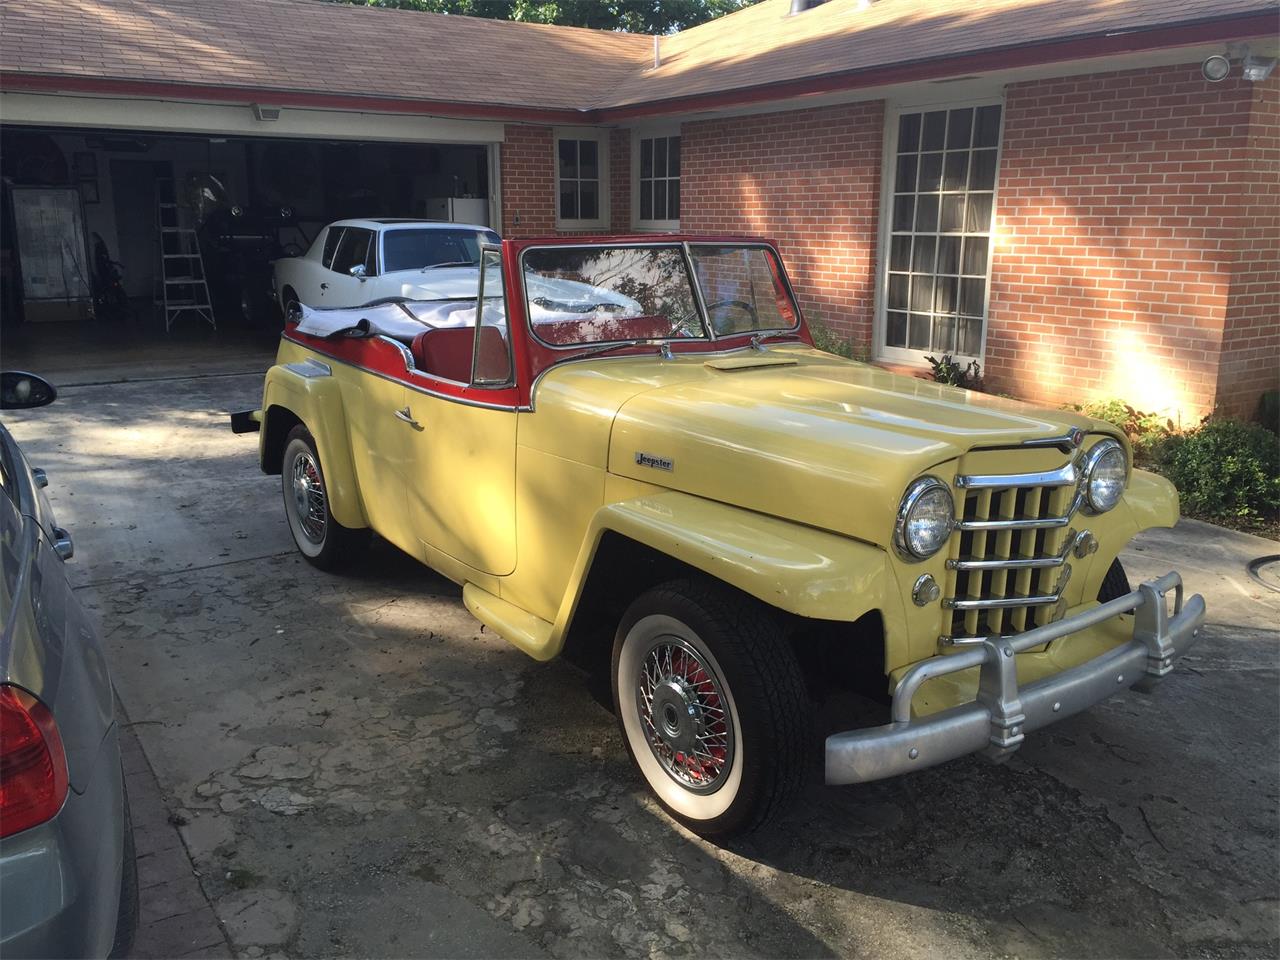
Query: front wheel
[712,706]
[325,543]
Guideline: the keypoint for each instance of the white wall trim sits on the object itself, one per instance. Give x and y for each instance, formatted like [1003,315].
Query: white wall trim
[175,116]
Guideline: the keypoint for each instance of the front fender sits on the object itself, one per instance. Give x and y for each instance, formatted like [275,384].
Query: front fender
[795,568]
[309,392]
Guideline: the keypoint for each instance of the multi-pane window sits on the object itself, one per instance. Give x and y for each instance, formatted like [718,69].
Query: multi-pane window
[659,182]
[939,255]
[578,169]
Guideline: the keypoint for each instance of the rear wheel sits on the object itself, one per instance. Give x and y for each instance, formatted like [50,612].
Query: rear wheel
[325,543]
[1115,584]
[712,706]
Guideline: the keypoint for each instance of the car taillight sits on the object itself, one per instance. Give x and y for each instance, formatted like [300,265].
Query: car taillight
[33,765]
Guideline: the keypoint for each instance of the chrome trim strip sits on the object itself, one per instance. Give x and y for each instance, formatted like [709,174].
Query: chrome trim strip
[310,368]
[1011,602]
[1045,523]
[1002,603]
[1065,476]
[1019,563]
[1069,441]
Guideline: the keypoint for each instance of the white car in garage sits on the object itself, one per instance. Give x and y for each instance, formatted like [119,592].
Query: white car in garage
[355,262]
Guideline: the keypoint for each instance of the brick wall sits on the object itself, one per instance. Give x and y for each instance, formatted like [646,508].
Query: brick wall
[528,182]
[1117,218]
[1250,362]
[1137,247]
[809,179]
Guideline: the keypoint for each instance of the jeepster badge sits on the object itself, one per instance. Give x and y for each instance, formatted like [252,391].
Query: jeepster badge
[649,460]
[1077,436]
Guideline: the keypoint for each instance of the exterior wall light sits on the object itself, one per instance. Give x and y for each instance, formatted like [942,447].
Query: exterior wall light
[265,113]
[1257,69]
[1215,68]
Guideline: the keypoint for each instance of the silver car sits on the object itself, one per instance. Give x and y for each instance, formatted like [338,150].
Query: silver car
[68,880]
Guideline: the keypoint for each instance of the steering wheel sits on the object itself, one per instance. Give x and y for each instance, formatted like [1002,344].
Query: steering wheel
[742,305]
[685,328]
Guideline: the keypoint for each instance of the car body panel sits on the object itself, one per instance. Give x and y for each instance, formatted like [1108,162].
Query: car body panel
[59,880]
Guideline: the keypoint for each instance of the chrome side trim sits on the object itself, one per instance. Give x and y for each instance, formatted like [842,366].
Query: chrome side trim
[996,722]
[310,368]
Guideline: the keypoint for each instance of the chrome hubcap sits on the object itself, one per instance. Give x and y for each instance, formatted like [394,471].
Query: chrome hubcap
[685,715]
[309,501]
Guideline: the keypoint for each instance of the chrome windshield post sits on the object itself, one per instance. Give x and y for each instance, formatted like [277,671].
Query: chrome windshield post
[697,291]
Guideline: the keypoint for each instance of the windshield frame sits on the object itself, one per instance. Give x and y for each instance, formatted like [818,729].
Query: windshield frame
[684,245]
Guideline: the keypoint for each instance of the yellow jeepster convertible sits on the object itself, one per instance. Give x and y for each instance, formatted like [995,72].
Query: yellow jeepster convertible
[628,450]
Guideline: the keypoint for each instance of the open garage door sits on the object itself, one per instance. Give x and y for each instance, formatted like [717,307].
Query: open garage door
[122,245]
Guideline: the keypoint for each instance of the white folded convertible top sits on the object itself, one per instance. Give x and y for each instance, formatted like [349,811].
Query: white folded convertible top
[400,320]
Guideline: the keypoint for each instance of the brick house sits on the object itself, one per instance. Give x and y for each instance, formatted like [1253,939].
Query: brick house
[1051,187]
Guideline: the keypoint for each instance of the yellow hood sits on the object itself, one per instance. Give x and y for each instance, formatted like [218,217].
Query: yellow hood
[820,441]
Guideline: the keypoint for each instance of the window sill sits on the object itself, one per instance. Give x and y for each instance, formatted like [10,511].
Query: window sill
[590,226]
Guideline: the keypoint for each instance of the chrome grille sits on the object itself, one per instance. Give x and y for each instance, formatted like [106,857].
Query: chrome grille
[1011,564]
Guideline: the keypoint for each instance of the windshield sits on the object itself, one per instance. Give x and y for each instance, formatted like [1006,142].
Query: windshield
[417,249]
[588,295]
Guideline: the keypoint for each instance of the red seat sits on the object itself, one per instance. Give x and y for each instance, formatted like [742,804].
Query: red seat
[446,353]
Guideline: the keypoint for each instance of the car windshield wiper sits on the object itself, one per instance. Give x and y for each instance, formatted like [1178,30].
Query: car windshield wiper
[663,347]
[451,263]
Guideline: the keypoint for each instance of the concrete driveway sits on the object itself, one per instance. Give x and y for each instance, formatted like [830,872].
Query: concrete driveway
[360,770]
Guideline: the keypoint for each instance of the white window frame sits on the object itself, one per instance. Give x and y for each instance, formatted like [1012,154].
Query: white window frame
[601,138]
[648,133]
[888,169]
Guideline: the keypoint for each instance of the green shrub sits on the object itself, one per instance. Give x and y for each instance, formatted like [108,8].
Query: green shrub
[831,341]
[1225,470]
[1146,431]
[951,373]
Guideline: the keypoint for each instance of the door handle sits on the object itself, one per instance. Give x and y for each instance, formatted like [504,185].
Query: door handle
[324,286]
[407,417]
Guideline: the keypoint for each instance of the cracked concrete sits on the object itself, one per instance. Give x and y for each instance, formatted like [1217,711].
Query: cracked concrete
[362,770]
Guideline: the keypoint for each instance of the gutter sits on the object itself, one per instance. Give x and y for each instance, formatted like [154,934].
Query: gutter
[1085,47]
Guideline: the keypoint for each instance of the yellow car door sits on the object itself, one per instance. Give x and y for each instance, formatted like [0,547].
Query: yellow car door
[461,490]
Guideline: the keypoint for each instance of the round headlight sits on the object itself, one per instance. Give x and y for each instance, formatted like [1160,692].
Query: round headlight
[1104,476]
[925,519]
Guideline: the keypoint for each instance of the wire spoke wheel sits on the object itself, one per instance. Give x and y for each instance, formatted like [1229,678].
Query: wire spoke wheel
[682,707]
[309,500]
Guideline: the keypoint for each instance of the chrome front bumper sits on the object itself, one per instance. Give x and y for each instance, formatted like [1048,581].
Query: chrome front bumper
[997,721]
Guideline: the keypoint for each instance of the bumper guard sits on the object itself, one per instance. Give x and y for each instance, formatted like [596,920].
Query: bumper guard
[997,721]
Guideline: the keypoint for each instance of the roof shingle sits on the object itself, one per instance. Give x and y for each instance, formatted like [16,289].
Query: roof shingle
[310,46]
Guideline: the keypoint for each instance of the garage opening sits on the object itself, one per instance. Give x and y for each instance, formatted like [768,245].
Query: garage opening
[117,246]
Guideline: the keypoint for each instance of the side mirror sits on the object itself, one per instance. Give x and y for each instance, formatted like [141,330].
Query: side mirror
[358,271]
[22,391]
